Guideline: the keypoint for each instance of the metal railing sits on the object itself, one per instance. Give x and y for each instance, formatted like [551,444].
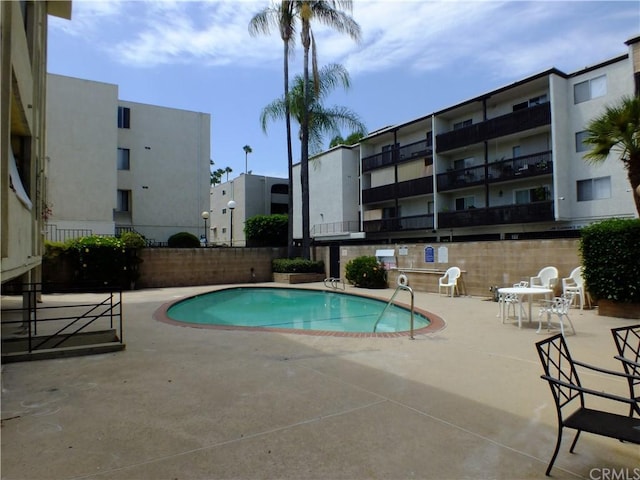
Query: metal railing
[77,318]
[398,288]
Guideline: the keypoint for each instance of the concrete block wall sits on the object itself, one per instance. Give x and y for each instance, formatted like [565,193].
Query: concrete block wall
[484,264]
[180,267]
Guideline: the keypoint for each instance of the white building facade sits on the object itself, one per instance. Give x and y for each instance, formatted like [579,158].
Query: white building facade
[251,195]
[123,165]
[507,164]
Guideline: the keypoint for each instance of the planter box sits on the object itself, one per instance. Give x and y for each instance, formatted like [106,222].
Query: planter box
[607,308]
[292,278]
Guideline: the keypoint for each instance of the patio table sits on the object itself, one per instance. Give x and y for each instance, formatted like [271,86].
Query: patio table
[521,292]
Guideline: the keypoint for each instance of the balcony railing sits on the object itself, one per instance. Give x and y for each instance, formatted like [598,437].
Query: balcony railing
[500,171]
[409,188]
[335,228]
[415,222]
[399,155]
[505,214]
[514,122]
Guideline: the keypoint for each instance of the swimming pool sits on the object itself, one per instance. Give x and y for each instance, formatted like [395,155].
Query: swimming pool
[294,310]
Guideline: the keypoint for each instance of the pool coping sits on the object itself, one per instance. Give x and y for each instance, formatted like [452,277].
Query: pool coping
[436,323]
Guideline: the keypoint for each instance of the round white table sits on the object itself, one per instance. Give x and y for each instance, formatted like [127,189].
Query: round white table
[521,292]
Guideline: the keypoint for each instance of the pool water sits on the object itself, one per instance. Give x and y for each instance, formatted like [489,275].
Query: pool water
[289,308]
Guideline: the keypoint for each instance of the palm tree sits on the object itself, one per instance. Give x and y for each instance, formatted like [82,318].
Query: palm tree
[617,130]
[322,120]
[227,170]
[247,150]
[283,16]
[326,12]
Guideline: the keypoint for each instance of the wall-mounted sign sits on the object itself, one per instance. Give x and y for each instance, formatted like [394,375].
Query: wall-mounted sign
[403,250]
[429,254]
[443,255]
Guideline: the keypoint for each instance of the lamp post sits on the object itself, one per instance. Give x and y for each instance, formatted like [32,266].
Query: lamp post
[231,205]
[205,216]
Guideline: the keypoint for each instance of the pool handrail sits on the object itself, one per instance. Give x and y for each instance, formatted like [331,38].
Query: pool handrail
[398,288]
[334,282]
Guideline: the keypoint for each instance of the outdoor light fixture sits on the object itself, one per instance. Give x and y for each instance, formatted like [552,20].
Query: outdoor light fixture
[205,217]
[231,205]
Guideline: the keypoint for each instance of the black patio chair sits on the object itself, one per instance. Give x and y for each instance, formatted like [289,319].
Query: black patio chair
[569,396]
[628,344]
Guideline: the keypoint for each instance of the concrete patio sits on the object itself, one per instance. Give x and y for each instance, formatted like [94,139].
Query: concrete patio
[184,403]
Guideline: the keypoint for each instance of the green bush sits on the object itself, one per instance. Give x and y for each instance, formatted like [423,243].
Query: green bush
[102,261]
[132,240]
[266,230]
[366,272]
[297,265]
[183,240]
[611,261]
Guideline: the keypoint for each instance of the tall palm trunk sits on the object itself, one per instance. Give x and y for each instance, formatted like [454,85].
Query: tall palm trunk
[304,155]
[633,174]
[290,252]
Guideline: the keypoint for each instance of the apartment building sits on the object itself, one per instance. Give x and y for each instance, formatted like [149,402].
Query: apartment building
[118,165]
[507,164]
[23,129]
[246,196]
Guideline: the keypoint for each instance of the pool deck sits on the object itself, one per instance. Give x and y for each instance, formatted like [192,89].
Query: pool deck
[464,402]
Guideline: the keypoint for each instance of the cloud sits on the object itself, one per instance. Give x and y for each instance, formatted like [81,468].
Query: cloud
[509,38]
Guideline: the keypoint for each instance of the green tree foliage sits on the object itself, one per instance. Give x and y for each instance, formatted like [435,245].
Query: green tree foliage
[352,139]
[610,259]
[183,240]
[322,119]
[617,131]
[366,272]
[266,230]
[297,265]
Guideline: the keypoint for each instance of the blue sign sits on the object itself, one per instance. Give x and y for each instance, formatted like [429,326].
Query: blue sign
[429,254]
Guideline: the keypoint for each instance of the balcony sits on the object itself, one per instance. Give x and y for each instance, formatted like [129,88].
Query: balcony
[402,154]
[500,171]
[415,222]
[335,228]
[505,214]
[510,123]
[409,188]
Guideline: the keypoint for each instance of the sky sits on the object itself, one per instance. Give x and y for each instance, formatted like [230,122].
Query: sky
[414,57]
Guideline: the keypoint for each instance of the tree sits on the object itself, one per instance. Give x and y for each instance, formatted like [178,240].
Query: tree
[247,150]
[326,12]
[282,16]
[228,170]
[617,130]
[322,120]
[352,139]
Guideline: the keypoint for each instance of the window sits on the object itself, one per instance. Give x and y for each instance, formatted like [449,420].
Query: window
[224,230]
[462,124]
[224,210]
[538,194]
[386,152]
[594,189]
[540,99]
[587,90]
[516,151]
[464,203]
[463,163]
[123,159]
[224,192]
[581,146]
[124,114]
[123,200]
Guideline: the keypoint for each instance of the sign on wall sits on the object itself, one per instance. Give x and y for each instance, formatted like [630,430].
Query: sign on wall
[429,254]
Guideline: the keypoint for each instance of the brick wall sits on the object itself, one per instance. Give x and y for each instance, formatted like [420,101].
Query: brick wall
[484,264]
[180,267]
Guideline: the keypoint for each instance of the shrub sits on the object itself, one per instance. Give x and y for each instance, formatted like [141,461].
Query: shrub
[267,230]
[366,272]
[183,240]
[132,240]
[297,265]
[610,259]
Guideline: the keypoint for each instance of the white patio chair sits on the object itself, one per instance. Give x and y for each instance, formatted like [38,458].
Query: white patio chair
[575,284]
[559,306]
[510,300]
[546,278]
[449,280]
